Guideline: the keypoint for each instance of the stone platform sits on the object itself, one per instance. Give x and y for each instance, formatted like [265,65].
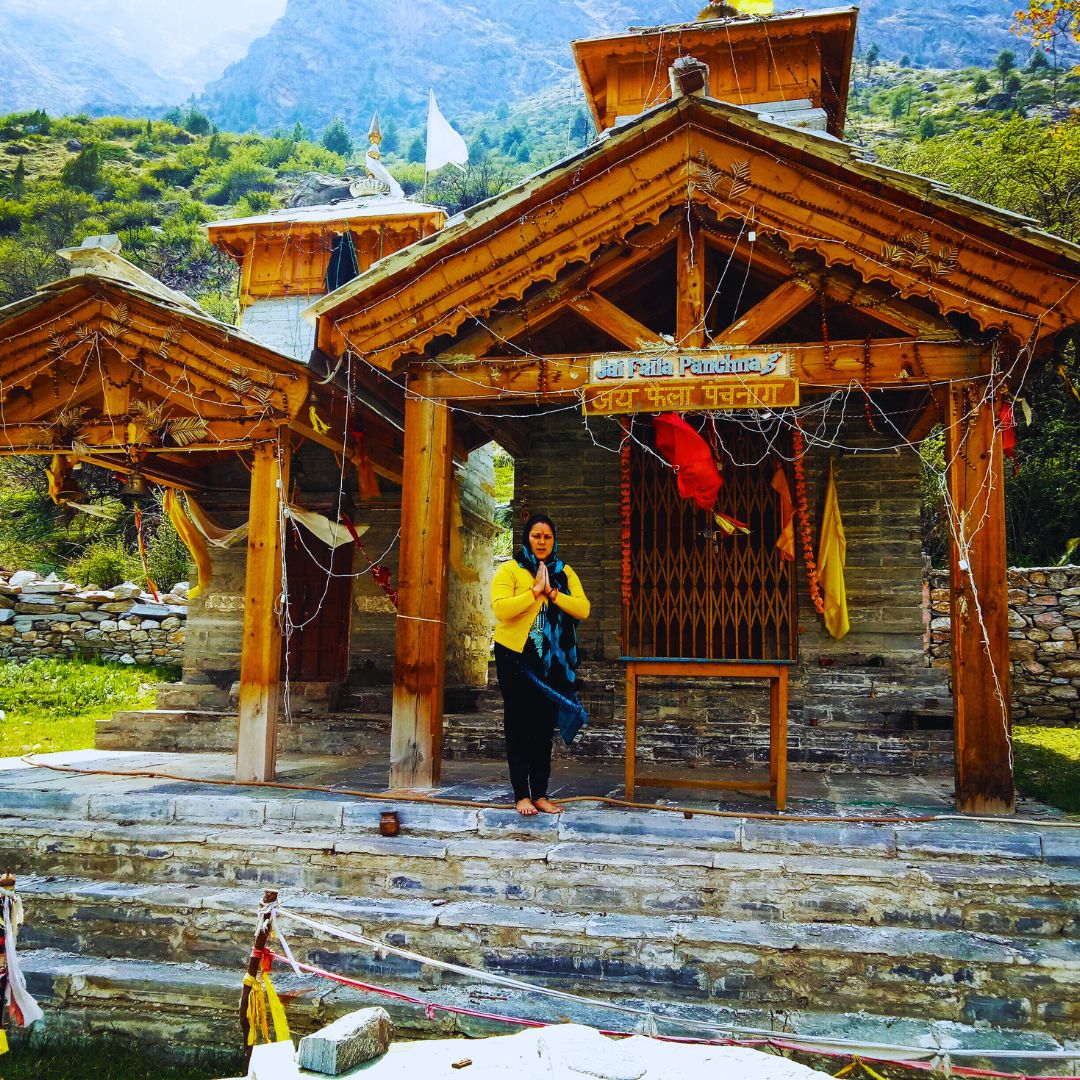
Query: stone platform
[842,917]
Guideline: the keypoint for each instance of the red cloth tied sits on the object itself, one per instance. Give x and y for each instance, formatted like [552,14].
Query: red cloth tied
[689,454]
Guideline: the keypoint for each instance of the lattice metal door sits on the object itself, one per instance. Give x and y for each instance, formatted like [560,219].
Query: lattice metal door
[697,595]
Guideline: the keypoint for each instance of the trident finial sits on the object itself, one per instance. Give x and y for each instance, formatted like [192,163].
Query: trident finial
[375,137]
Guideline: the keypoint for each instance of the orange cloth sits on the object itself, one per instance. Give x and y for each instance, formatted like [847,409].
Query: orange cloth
[785,542]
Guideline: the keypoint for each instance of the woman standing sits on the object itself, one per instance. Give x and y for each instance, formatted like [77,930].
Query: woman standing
[538,601]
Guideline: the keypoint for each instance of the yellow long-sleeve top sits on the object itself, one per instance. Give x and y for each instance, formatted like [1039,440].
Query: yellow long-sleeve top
[515,606]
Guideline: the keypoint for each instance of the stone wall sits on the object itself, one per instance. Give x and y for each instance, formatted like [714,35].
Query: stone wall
[869,700]
[1044,621]
[48,617]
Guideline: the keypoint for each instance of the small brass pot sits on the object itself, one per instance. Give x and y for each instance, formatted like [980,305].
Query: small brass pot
[389,823]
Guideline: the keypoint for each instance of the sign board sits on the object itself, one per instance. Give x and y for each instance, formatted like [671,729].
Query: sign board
[706,379]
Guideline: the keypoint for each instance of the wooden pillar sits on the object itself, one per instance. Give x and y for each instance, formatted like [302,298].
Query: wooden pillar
[260,659]
[980,607]
[690,298]
[420,668]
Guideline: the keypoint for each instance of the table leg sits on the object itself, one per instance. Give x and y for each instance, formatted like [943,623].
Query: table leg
[631,728]
[778,750]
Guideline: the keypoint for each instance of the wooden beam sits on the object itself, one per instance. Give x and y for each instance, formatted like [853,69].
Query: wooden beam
[615,322]
[892,363]
[927,418]
[420,667]
[980,607]
[690,294]
[104,435]
[784,302]
[260,659]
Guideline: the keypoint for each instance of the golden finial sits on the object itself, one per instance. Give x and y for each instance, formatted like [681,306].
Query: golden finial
[375,137]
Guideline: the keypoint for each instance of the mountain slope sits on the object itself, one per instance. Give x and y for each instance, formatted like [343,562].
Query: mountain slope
[326,58]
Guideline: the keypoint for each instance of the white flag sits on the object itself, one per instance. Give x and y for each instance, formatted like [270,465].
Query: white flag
[380,172]
[444,144]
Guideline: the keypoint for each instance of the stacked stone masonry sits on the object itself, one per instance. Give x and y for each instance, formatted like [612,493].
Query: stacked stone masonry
[1044,630]
[42,617]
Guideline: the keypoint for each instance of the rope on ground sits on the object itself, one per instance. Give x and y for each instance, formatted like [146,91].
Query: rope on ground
[867,1049]
[607,800]
[431,1008]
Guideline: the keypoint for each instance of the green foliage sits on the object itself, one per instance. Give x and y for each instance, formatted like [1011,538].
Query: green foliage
[198,123]
[981,85]
[336,138]
[105,563]
[108,1058]
[18,179]
[1048,765]
[84,170]
[227,181]
[927,128]
[417,150]
[52,705]
[1005,62]
[220,304]
[167,559]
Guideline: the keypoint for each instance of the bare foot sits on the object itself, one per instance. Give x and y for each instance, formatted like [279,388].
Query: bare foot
[546,806]
[525,808]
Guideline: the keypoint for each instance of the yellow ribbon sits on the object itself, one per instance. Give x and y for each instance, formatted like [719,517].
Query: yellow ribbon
[847,1069]
[317,422]
[57,473]
[193,541]
[262,1000]
[3,1041]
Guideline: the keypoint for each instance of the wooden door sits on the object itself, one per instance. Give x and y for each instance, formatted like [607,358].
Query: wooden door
[320,595]
[695,592]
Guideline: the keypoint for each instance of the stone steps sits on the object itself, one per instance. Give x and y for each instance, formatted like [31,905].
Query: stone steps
[955,922]
[945,975]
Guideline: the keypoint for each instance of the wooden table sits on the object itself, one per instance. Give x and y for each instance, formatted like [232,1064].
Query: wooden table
[773,671]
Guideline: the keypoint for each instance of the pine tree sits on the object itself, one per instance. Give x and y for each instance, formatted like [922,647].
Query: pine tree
[1005,62]
[83,171]
[417,150]
[300,133]
[391,141]
[18,179]
[336,138]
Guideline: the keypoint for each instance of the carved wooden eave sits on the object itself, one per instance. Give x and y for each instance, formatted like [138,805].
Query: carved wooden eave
[799,191]
[94,366]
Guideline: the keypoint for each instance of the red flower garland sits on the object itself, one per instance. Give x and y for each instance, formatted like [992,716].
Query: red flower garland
[804,521]
[624,513]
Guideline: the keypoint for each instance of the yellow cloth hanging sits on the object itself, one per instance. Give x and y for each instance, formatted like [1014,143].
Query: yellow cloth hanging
[193,541]
[317,422]
[752,7]
[3,1041]
[264,999]
[457,547]
[214,533]
[832,554]
[57,472]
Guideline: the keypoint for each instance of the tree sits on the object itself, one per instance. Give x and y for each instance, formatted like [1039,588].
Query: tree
[1005,62]
[1037,62]
[198,123]
[300,133]
[896,108]
[391,140]
[18,179]
[336,138]
[417,149]
[1014,84]
[871,57]
[981,86]
[579,127]
[905,61]
[927,128]
[84,170]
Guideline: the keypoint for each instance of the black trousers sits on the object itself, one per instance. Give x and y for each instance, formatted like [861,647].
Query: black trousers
[528,724]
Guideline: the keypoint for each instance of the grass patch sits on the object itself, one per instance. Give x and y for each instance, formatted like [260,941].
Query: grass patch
[108,1059]
[51,705]
[1048,765]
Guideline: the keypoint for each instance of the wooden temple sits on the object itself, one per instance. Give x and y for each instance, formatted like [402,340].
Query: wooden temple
[719,253]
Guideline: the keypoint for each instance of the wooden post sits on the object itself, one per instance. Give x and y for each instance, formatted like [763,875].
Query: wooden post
[420,668]
[260,660]
[690,297]
[979,606]
[7,881]
[262,932]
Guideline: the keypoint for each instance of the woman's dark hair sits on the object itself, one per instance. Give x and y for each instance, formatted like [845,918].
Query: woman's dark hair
[537,519]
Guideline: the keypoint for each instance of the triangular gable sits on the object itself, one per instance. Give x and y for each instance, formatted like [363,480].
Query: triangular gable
[98,365]
[809,192]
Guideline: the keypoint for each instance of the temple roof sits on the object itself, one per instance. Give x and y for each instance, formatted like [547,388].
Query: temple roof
[825,197]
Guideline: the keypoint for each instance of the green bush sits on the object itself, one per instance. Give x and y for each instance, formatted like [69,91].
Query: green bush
[105,563]
[166,557]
